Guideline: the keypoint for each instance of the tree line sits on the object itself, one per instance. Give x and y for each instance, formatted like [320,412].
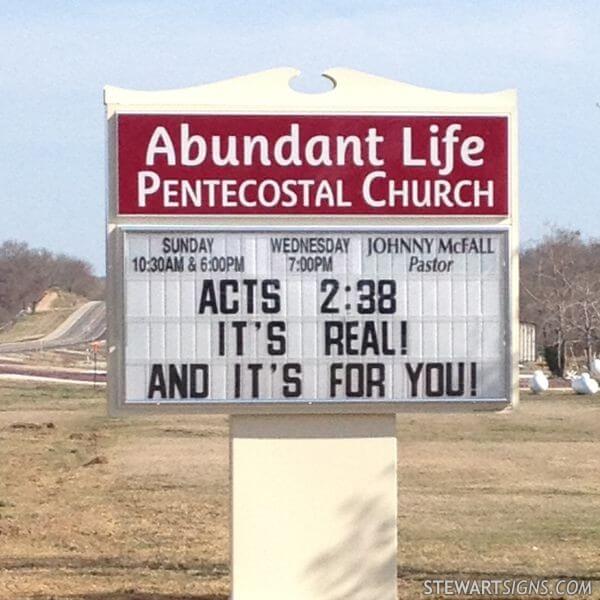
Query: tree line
[560,294]
[26,273]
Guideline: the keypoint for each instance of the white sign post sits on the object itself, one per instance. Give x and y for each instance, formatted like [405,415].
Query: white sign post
[312,265]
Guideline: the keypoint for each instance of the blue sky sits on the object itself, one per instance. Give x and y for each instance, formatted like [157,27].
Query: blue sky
[56,56]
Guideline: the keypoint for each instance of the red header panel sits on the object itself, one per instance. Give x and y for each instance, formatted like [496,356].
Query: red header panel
[312,165]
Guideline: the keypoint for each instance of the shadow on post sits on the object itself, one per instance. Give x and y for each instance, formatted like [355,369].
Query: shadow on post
[363,564]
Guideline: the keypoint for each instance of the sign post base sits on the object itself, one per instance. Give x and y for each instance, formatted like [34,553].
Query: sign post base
[314,507]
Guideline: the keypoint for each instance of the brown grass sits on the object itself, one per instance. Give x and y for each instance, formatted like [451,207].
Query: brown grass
[36,326]
[480,495]
[52,313]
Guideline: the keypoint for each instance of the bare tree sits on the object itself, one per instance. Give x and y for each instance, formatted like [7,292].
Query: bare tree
[560,292]
[585,311]
[25,273]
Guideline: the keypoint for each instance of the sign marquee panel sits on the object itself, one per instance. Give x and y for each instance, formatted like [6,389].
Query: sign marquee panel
[292,316]
[223,164]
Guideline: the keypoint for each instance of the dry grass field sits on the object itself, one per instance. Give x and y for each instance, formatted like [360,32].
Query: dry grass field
[137,509]
[51,311]
[33,327]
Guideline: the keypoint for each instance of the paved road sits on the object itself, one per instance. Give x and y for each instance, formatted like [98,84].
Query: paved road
[86,324]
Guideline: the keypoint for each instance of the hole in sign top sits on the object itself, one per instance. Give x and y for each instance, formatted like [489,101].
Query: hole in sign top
[308,83]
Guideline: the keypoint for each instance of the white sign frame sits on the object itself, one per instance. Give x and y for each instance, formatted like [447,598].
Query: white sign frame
[268,93]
